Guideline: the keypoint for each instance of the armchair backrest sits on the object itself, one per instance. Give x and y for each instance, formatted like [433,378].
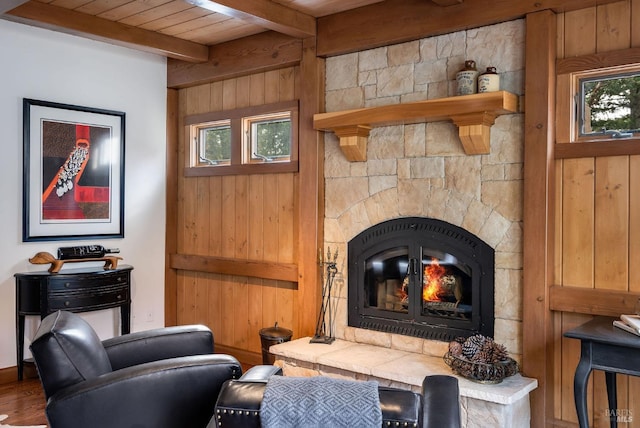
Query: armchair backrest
[66,351]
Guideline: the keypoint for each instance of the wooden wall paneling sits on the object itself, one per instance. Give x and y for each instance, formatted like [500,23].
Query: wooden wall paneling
[287,203]
[216,96]
[214,304]
[241,198]
[229,94]
[228,250]
[286,310]
[240,304]
[270,217]
[187,298]
[228,217]
[272,86]
[254,314]
[612,223]
[269,312]
[287,84]
[243,95]
[580,32]
[634,224]
[216,209]
[174,128]
[634,16]
[201,222]
[578,222]
[613,26]
[256,89]
[255,244]
[270,221]
[570,357]
[240,301]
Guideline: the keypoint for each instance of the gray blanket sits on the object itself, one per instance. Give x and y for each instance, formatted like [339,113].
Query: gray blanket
[322,402]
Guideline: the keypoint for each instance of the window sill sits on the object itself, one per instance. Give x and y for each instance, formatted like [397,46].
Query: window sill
[245,169]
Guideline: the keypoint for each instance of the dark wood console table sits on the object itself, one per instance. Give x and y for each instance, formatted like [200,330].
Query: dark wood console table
[608,348]
[75,290]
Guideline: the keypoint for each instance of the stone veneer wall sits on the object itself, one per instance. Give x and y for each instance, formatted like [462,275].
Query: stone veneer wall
[422,170]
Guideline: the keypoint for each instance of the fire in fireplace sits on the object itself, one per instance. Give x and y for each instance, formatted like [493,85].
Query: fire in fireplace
[421,277]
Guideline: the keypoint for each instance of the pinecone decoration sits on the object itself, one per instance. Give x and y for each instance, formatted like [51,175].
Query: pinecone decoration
[499,353]
[472,346]
[455,348]
[485,354]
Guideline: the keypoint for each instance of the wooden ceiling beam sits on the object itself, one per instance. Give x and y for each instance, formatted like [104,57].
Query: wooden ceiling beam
[402,21]
[265,13]
[69,21]
[7,5]
[253,54]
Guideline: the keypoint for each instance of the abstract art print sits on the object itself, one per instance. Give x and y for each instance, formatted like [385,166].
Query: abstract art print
[73,170]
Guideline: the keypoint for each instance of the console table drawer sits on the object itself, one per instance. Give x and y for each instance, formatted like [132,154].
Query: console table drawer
[91,298]
[83,282]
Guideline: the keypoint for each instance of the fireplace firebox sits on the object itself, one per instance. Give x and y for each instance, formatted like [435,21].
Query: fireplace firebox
[421,277]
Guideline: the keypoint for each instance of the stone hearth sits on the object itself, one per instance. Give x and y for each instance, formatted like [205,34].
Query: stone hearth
[482,405]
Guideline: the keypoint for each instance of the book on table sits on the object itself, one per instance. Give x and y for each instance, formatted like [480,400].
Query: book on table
[630,323]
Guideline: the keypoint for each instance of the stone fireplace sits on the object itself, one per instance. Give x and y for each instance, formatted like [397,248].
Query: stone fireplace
[421,169]
[421,277]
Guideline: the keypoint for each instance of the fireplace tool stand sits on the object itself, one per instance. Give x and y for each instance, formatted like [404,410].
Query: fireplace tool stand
[324,326]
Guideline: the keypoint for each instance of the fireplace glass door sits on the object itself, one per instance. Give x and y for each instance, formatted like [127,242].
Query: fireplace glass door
[421,277]
[394,279]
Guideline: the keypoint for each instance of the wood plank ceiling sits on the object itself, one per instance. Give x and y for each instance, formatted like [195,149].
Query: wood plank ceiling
[181,29]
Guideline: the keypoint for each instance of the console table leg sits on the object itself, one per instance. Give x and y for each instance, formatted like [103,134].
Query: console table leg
[612,395]
[20,345]
[580,389]
[125,319]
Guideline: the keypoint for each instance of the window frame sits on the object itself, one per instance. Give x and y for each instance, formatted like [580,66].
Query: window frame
[194,168]
[248,125]
[566,129]
[590,75]
[196,131]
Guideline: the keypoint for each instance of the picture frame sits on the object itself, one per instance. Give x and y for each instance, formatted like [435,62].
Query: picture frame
[73,172]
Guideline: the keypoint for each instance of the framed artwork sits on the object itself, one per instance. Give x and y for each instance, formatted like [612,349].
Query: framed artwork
[73,172]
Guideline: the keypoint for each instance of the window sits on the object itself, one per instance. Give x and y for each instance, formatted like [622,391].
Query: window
[608,104]
[243,141]
[268,138]
[214,143]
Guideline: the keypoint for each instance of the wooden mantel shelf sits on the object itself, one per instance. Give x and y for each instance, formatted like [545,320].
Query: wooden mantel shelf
[473,115]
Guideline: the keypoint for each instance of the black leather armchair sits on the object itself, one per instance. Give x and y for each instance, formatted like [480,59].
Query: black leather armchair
[438,406]
[162,378]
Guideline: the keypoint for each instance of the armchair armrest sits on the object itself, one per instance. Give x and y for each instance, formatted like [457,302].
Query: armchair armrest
[158,344]
[441,402]
[161,394]
[261,373]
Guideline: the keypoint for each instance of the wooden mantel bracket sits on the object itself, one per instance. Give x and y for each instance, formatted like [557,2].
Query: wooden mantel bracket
[474,130]
[472,114]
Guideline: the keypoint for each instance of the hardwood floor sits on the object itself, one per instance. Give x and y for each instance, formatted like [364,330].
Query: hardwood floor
[23,401]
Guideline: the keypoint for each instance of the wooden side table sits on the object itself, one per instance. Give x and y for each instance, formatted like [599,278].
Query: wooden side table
[75,290]
[603,347]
